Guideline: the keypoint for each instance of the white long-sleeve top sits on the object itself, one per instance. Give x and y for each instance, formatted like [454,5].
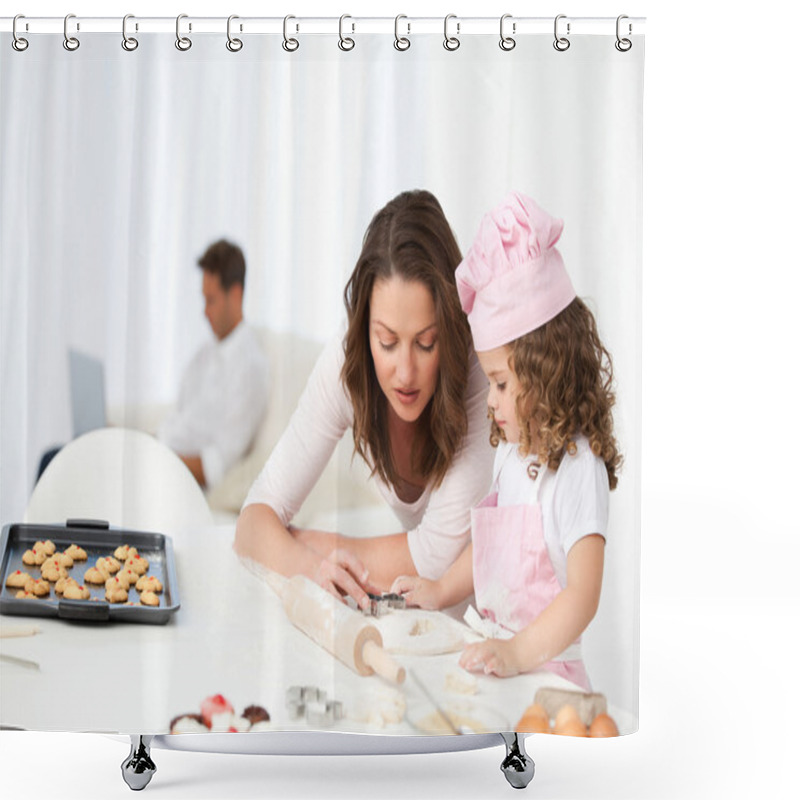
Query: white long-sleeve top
[437,523]
[222,400]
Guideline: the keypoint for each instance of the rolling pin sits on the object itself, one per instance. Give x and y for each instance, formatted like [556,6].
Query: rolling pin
[337,628]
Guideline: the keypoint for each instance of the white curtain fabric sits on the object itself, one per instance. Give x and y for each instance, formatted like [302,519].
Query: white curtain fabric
[117,170]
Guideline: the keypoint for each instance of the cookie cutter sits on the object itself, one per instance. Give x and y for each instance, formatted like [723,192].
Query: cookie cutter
[380,604]
[310,703]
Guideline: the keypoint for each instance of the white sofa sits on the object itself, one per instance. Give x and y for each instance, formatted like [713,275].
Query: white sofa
[343,484]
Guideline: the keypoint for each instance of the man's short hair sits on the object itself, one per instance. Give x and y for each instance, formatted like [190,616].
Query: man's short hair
[225,260]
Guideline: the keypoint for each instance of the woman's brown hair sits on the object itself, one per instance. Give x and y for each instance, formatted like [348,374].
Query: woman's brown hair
[566,389]
[410,238]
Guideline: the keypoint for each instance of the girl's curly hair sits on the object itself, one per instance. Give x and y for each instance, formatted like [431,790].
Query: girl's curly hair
[565,390]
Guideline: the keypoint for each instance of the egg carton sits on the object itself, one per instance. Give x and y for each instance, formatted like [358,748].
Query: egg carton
[587,704]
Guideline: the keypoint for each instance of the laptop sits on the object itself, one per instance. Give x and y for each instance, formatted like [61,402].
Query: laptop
[87,387]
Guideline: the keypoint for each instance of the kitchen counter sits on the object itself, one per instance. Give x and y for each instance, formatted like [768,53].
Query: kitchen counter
[229,637]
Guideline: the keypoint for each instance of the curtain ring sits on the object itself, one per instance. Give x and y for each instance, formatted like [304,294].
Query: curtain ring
[506,42]
[561,43]
[18,43]
[289,45]
[234,45]
[345,42]
[400,42]
[183,43]
[129,43]
[623,45]
[451,42]
[70,42]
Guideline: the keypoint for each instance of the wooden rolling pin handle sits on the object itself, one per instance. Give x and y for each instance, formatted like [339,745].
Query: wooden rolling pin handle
[376,657]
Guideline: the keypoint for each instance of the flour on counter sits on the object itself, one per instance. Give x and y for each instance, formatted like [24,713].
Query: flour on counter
[412,631]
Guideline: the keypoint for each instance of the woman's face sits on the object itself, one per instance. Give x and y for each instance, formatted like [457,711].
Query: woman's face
[404,341]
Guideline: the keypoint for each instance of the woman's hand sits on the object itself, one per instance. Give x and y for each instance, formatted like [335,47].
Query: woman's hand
[492,657]
[419,592]
[342,574]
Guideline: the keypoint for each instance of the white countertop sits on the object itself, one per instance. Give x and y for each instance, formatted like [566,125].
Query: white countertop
[229,637]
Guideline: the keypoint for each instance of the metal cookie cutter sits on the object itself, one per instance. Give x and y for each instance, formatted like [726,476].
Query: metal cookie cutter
[311,704]
[380,604]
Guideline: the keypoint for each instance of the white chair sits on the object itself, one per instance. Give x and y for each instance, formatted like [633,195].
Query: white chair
[123,476]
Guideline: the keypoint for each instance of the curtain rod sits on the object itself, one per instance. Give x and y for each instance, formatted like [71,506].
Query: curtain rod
[348,25]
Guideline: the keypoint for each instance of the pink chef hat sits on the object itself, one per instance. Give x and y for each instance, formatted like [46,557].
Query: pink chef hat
[513,279]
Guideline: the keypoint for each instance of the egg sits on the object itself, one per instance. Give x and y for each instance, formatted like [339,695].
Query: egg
[572,727]
[534,720]
[568,722]
[603,726]
[566,713]
[533,723]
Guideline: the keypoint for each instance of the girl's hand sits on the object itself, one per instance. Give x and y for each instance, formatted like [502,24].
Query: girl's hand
[418,592]
[342,574]
[492,657]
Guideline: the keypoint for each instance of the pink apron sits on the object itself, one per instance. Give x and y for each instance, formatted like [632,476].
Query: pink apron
[512,572]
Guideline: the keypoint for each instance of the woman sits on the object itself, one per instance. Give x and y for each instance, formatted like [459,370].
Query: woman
[406,380]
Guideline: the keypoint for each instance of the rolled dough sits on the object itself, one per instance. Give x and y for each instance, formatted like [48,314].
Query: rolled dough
[413,631]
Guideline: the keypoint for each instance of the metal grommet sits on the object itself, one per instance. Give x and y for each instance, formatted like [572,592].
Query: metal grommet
[623,45]
[17,42]
[561,43]
[506,42]
[345,42]
[289,45]
[400,42]
[70,42]
[129,43]
[451,42]
[234,45]
[183,43]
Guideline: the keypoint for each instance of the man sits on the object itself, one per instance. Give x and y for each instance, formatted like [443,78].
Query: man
[223,393]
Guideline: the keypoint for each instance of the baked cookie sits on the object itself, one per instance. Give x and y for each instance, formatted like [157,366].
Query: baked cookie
[37,586]
[188,723]
[128,576]
[116,594]
[124,552]
[74,591]
[149,583]
[17,579]
[95,576]
[53,571]
[239,725]
[256,714]
[149,599]
[115,583]
[62,583]
[76,553]
[111,565]
[23,595]
[62,559]
[138,564]
[34,557]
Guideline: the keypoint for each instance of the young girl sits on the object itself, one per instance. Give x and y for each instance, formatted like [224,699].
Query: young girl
[535,561]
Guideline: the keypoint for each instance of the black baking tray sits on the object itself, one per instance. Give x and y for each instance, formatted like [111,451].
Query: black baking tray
[98,539]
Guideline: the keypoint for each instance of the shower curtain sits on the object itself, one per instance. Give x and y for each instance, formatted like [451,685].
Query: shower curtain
[119,167]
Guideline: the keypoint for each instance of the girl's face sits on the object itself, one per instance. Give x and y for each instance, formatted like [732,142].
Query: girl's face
[503,390]
[404,341]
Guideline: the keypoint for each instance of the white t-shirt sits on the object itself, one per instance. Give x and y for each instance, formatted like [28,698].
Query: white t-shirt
[574,498]
[222,400]
[437,523]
